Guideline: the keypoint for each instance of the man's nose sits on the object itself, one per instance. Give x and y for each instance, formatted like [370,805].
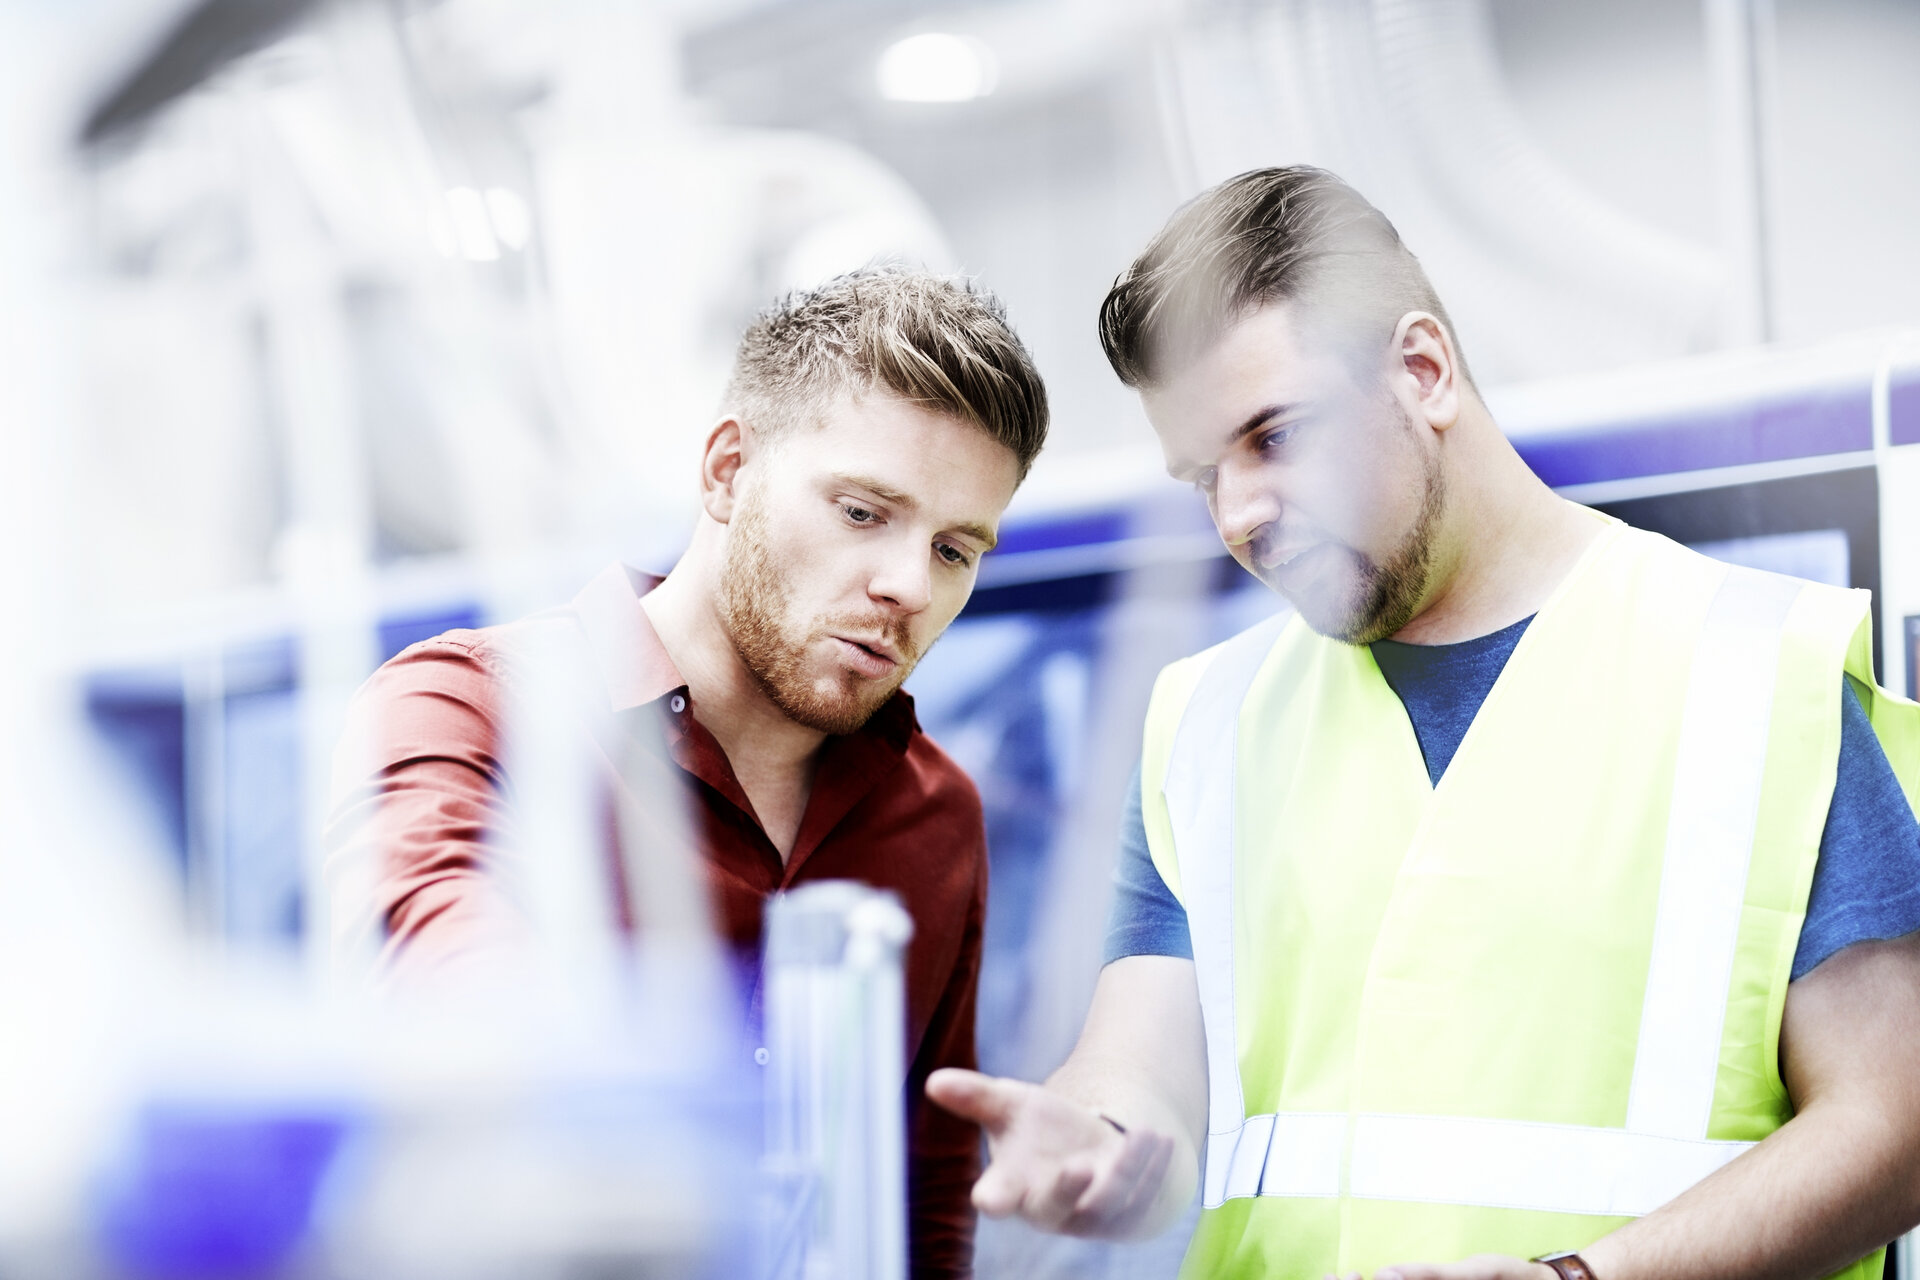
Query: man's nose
[904,577]
[1244,499]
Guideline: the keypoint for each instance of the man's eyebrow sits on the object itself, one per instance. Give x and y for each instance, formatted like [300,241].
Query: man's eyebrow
[1261,417]
[980,534]
[1255,420]
[884,492]
[887,493]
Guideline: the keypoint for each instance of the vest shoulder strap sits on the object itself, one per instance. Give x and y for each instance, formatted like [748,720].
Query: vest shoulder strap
[1190,718]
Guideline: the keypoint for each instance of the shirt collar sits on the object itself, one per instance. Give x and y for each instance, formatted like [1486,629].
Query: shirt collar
[633,663]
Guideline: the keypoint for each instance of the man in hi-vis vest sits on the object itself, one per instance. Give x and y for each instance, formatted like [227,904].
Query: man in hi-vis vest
[1536,889]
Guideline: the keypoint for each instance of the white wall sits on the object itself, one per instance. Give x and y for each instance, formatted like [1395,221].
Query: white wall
[1618,95]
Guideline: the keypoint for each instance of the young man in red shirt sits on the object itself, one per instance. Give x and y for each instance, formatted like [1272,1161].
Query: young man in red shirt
[874,430]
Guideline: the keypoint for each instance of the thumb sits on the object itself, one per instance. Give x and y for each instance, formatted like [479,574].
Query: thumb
[981,1098]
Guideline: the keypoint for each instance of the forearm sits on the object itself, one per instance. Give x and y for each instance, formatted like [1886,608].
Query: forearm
[1837,1181]
[1832,1185]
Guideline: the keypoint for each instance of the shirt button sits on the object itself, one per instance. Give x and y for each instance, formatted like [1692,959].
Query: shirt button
[678,704]
[761,1057]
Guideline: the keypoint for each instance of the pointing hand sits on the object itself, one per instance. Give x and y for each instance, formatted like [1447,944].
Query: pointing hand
[1053,1161]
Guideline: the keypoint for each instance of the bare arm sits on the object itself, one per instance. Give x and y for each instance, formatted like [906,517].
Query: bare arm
[1141,1062]
[1843,1176]
[1836,1182]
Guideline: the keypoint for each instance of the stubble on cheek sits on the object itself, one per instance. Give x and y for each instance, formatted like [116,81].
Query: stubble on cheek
[755,607]
[1388,596]
[1364,599]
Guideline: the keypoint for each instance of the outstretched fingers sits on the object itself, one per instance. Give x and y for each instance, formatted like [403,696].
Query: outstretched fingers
[1044,1195]
[983,1099]
[1126,1184]
[1054,1161]
[1050,1201]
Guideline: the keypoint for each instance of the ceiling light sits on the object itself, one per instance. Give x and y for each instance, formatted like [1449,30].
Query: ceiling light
[936,67]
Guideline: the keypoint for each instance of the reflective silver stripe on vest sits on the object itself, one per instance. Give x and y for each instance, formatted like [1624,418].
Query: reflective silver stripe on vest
[1506,1164]
[1501,1163]
[1293,1154]
[1513,1165]
[1199,790]
[1710,827]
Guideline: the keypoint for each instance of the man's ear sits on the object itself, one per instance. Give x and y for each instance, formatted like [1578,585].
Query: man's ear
[726,453]
[1427,367]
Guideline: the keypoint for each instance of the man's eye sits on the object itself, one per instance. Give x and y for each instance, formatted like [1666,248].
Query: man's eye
[858,515]
[1274,439]
[952,554]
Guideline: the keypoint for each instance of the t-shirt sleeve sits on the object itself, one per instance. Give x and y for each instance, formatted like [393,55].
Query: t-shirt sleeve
[1146,920]
[1866,884]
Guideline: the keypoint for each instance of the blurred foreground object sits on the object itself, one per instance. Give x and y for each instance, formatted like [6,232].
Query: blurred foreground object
[835,1142]
[257,1134]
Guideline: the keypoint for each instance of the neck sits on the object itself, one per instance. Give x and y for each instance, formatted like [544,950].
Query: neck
[1507,541]
[772,756]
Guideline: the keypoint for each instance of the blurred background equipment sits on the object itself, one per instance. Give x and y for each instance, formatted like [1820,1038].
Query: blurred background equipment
[332,324]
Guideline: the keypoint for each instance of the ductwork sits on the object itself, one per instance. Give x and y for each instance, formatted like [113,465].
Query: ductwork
[1406,100]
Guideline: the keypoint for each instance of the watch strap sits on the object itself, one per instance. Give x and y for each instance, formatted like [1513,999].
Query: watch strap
[1568,1266]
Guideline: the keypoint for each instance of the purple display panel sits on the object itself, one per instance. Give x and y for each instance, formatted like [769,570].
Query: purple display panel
[1806,424]
[1903,407]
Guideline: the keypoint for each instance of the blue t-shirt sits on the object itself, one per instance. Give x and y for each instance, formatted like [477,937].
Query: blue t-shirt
[1866,884]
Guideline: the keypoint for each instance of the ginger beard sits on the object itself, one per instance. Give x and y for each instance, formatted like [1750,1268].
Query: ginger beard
[774,649]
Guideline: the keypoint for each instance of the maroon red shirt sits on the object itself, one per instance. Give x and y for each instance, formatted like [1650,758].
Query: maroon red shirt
[423,827]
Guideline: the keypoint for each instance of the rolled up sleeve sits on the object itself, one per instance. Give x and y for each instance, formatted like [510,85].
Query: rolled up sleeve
[418,830]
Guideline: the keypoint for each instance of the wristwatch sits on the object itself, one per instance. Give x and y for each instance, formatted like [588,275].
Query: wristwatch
[1568,1265]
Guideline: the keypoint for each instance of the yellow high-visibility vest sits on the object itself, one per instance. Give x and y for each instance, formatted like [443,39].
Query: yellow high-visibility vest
[1513,1011]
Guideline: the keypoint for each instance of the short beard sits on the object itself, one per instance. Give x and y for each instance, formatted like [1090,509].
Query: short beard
[753,603]
[1391,594]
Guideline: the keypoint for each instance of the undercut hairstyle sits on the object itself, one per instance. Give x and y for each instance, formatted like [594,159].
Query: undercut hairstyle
[1295,234]
[937,341]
